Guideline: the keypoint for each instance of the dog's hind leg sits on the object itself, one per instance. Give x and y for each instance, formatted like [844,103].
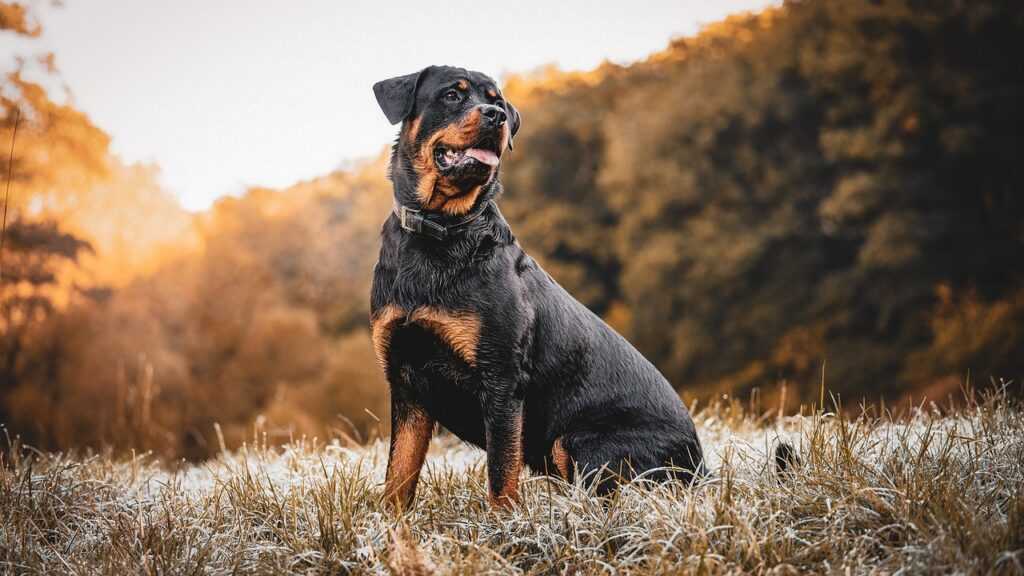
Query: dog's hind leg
[610,458]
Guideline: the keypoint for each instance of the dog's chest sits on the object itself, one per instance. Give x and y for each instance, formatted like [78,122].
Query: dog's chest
[432,354]
[459,331]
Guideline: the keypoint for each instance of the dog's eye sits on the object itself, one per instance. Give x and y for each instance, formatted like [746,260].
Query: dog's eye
[451,96]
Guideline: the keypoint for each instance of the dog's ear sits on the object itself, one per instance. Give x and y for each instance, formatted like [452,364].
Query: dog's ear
[513,122]
[397,95]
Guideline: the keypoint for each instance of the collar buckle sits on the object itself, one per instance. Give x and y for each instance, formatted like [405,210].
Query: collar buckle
[414,224]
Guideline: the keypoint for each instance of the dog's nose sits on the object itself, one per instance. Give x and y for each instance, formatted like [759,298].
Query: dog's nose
[494,115]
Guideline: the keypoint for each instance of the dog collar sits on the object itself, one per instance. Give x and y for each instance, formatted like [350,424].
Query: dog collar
[414,221]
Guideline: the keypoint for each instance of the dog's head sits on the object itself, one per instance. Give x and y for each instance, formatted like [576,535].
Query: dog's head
[455,127]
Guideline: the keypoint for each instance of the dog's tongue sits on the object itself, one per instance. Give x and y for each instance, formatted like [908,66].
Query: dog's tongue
[483,156]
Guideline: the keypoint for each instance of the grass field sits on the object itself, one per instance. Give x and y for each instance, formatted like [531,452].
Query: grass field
[937,491]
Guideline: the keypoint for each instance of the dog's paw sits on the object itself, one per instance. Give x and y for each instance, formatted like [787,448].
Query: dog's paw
[503,502]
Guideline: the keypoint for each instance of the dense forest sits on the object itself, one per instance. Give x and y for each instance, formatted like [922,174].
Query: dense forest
[833,182]
[826,190]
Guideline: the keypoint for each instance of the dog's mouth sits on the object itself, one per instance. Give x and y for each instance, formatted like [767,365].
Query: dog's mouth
[482,154]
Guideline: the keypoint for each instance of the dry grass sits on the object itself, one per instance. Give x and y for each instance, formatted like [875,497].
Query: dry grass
[929,493]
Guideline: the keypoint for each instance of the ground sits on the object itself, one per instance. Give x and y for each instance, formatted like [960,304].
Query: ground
[935,491]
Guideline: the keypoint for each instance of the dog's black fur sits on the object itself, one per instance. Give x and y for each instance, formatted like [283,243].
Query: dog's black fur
[474,335]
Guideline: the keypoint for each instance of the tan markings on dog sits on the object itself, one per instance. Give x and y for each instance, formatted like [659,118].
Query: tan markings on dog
[462,204]
[409,442]
[506,135]
[508,492]
[463,85]
[460,330]
[433,190]
[561,458]
[413,129]
[382,324]
[492,94]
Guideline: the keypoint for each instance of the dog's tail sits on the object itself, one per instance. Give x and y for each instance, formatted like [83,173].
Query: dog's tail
[786,460]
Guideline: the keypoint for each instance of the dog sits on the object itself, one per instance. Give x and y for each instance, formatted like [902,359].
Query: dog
[473,335]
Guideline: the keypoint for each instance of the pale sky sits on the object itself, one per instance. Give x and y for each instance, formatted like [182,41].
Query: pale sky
[225,94]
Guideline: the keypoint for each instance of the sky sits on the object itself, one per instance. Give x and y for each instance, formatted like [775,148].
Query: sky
[227,94]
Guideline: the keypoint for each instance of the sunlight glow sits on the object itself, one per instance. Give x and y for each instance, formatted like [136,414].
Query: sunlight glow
[229,94]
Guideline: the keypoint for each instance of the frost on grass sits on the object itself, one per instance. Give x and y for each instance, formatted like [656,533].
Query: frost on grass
[930,493]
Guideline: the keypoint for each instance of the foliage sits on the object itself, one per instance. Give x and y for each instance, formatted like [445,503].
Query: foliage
[788,190]
[267,319]
[129,323]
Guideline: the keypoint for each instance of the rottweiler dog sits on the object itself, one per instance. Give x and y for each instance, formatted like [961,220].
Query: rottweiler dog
[473,335]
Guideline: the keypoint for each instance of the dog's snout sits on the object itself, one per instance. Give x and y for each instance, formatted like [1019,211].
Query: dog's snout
[493,115]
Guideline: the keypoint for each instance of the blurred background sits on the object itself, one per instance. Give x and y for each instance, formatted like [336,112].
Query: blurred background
[761,197]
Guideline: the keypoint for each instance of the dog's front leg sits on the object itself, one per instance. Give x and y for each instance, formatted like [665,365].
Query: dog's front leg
[504,429]
[411,429]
